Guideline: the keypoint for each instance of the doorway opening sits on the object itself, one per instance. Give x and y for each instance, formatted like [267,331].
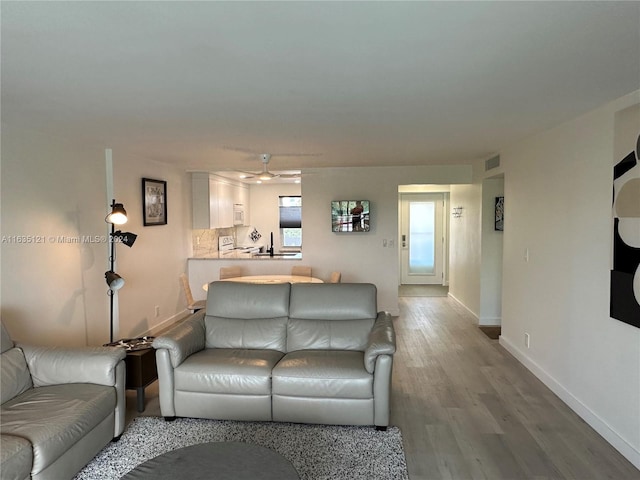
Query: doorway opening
[423,242]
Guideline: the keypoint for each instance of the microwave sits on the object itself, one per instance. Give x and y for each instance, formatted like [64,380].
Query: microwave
[238,214]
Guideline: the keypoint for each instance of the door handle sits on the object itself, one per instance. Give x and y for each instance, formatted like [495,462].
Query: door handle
[404,241]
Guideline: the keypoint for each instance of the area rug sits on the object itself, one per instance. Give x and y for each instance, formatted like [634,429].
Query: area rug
[318,452]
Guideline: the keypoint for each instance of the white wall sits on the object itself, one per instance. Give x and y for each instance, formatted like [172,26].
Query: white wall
[53,291]
[465,246]
[475,260]
[360,256]
[491,255]
[152,266]
[558,188]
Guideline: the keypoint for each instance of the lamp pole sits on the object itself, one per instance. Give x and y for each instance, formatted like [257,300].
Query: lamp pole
[118,216]
[112,246]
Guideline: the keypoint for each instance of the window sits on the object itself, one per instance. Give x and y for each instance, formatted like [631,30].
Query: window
[291,221]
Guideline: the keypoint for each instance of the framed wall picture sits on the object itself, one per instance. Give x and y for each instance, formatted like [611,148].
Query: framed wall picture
[499,225]
[154,202]
[624,300]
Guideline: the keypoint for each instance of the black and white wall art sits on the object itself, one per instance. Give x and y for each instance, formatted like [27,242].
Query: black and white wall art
[499,219]
[625,273]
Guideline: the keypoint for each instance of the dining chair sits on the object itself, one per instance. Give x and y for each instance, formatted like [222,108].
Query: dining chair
[301,271]
[335,277]
[230,272]
[192,304]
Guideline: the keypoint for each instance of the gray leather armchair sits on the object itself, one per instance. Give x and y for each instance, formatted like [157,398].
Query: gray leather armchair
[308,353]
[60,407]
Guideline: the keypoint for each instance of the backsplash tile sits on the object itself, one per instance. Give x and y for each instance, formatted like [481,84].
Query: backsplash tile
[205,241]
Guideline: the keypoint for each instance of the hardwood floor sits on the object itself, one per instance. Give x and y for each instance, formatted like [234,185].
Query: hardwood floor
[469,410]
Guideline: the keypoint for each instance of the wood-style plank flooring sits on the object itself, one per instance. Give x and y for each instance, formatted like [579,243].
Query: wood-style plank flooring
[468,410]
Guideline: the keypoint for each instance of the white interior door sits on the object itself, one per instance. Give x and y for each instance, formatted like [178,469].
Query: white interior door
[421,238]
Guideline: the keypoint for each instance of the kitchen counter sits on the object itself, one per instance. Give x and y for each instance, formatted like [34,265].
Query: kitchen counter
[240,255]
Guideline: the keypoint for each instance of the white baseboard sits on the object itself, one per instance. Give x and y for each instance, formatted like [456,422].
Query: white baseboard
[490,321]
[465,307]
[598,424]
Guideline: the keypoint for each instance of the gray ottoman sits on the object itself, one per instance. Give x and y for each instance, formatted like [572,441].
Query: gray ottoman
[216,461]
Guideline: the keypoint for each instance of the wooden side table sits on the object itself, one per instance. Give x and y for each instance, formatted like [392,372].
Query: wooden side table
[141,372]
[140,364]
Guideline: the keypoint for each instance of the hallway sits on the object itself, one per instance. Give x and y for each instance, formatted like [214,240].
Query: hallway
[468,410]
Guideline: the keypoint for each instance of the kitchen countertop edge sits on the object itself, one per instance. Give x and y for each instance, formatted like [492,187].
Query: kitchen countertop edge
[232,257]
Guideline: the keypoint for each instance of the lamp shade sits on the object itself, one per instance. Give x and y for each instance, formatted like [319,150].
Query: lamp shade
[118,215]
[115,281]
[127,238]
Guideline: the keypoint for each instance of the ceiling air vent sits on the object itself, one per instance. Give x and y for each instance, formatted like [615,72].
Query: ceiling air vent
[492,163]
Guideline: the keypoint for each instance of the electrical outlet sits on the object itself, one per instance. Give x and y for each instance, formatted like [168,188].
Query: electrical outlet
[384,243]
[527,340]
[526,255]
[157,311]
[392,243]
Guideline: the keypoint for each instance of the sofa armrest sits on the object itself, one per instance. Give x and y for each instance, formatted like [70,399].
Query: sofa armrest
[184,339]
[60,365]
[382,341]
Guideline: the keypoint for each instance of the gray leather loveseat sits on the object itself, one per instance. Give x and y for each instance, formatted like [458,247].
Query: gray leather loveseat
[60,407]
[306,353]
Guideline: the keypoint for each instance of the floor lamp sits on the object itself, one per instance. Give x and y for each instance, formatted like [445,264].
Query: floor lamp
[118,216]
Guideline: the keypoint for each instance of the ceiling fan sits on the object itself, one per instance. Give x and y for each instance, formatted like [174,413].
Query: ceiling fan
[265,174]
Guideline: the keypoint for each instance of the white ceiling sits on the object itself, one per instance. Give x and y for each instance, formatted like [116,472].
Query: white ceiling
[201,84]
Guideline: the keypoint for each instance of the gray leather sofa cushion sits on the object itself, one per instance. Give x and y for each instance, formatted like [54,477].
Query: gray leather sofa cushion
[14,374]
[263,333]
[16,458]
[5,339]
[228,371]
[382,341]
[55,365]
[328,334]
[325,374]
[186,338]
[43,416]
[331,316]
[245,315]
[333,301]
[247,300]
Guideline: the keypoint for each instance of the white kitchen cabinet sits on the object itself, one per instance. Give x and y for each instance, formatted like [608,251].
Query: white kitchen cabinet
[213,199]
[241,197]
[225,204]
[204,192]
